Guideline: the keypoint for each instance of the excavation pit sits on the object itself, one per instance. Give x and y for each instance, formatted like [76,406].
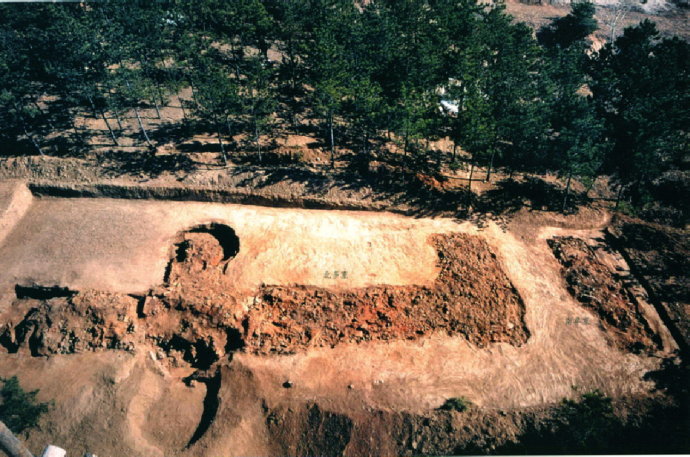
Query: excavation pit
[125,246]
[224,235]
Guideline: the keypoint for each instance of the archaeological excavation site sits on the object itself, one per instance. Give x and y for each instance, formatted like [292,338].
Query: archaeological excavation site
[163,327]
[344,228]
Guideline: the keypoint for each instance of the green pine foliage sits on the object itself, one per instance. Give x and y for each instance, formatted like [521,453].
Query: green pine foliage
[19,409]
[357,75]
[459,404]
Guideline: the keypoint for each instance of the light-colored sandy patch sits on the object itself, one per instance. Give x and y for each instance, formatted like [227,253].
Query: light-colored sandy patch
[15,200]
[124,245]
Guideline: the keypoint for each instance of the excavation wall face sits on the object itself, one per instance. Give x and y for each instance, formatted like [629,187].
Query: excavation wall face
[660,257]
[225,237]
[604,291]
[15,200]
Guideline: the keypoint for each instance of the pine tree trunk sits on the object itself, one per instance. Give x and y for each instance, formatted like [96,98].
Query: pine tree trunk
[365,142]
[160,94]
[471,172]
[222,147]
[119,122]
[567,191]
[26,130]
[455,148]
[77,132]
[330,130]
[184,111]
[405,143]
[256,136]
[158,111]
[112,134]
[191,85]
[491,165]
[618,195]
[143,130]
[293,65]
[93,106]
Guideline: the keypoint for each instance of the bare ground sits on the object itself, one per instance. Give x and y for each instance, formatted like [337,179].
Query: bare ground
[125,357]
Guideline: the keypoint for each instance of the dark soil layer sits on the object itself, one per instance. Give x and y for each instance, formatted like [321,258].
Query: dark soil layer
[660,257]
[601,290]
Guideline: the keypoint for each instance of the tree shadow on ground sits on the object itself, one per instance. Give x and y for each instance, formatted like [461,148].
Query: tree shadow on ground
[117,163]
[177,132]
[534,193]
[59,146]
[509,196]
[67,146]
[270,157]
[13,147]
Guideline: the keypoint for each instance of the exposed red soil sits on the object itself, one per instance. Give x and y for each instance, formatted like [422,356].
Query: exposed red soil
[472,296]
[89,320]
[197,317]
[601,290]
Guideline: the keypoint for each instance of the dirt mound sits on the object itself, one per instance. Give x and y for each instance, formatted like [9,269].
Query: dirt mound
[472,297]
[603,291]
[89,320]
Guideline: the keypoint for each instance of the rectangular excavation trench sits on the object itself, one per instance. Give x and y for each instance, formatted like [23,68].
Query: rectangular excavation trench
[123,246]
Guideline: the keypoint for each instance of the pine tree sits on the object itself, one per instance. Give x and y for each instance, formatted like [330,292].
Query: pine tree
[219,102]
[641,87]
[576,140]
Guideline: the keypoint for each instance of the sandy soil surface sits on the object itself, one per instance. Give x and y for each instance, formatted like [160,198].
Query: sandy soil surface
[124,245]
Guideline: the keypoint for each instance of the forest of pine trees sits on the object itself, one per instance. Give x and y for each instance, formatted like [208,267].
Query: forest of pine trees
[360,74]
